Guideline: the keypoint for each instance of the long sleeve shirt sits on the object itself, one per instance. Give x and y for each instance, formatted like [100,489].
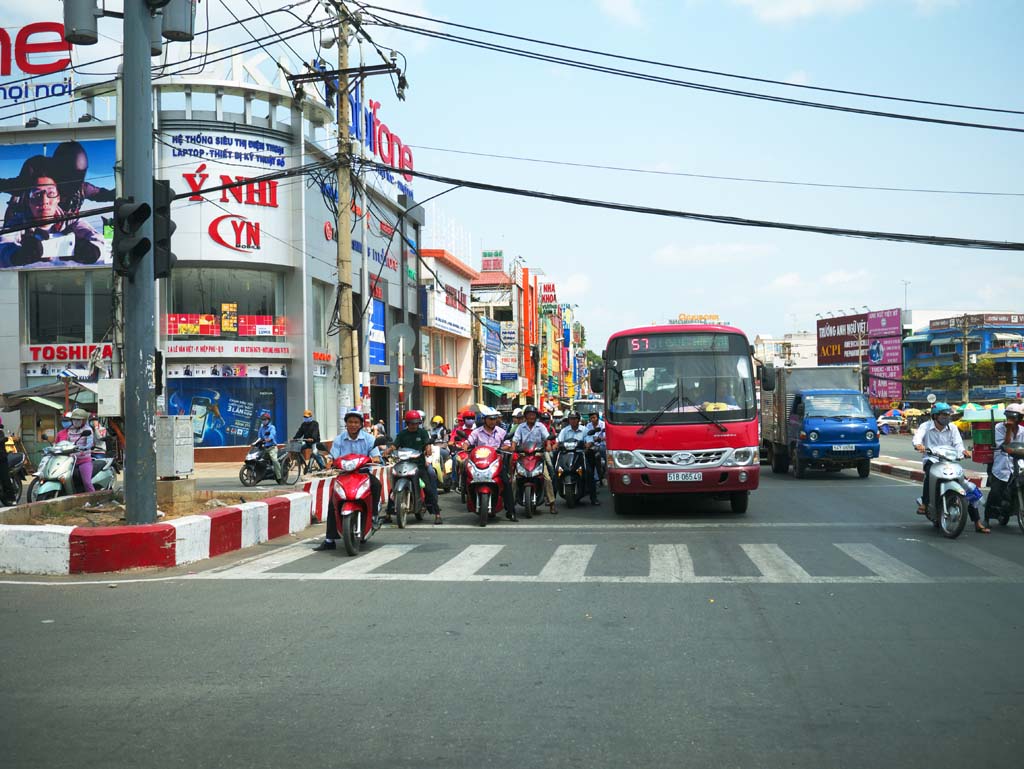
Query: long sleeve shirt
[930,436]
[267,435]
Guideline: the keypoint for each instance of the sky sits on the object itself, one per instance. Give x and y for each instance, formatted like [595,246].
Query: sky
[626,269]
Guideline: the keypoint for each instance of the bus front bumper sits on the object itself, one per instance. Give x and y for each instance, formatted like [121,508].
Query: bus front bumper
[714,480]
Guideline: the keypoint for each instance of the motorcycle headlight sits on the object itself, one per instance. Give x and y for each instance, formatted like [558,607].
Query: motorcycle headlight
[624,458]
[364,487]
[869,435]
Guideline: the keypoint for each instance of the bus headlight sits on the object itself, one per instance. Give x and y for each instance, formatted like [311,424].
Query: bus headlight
[748,455]
[624,458]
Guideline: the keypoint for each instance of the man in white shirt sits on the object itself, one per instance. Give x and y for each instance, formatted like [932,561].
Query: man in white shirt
[574,431]
[534,434]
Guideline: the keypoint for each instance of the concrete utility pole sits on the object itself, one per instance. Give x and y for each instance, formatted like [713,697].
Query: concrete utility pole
[965,385]
[347,374]
[140,289]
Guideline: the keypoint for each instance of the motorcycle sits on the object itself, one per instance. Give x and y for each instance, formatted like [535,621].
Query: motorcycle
[949,492]
[442,467]
[572,464]
[58,476]
[407,488]
[16,467]
[600,454]
[484,486]
[529,479]
[1012,503]
[352,502]
[258,467]
[460,455]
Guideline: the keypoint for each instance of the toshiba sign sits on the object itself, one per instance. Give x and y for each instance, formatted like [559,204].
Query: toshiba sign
[64,352]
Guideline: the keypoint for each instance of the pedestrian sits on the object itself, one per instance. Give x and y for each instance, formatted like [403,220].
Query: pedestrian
[415,437]
[353,440]
[1006,433]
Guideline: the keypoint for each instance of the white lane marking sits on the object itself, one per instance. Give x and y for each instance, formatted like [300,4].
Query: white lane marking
[881,563]
[526,528]
[775,565]
[256,568]
[568,564]
[993,564]
[670,563]
[466,563]
[362,564]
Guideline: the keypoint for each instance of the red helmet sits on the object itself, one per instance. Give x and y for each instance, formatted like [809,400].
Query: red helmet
[468,414]
[413,416]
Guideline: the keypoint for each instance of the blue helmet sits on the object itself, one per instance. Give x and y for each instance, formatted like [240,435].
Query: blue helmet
[938,408]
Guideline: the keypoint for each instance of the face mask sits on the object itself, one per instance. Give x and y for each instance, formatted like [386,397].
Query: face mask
[943,419]
[77,423]
[307,419]
[66,423]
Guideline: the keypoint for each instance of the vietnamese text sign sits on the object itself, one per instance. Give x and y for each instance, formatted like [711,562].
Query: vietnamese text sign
[842,340]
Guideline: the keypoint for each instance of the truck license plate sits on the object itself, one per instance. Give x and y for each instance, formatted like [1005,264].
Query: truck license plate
[844,447]
[686,476]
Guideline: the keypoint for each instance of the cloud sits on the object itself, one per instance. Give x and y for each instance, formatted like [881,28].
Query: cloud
[798,77]
[574,287]
[842,277]
[714,253]
[788,10]
[624,11]
[786,280]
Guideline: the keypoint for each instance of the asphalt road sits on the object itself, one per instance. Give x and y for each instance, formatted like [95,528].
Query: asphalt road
[827,627]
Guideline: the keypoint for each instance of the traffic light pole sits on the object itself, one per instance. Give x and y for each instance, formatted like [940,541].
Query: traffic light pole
[136,112]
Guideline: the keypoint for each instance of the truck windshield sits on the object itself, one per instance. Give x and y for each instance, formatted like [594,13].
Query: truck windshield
[837,405]
[720,383]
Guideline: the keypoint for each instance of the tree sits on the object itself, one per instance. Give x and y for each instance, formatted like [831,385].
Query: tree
[983,372]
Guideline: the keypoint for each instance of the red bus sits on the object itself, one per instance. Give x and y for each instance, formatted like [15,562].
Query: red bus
[680,413]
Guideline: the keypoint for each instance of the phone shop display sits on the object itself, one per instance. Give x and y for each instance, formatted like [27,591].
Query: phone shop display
[224,411]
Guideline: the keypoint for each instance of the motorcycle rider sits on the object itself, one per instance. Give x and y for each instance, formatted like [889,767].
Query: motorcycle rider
[940,431]
[575,432]
[81,435]
[490,434]
[1006,433]
[354,440]
[266,439]
[596,424]
[415,437]
[533,433]
[517,419]
[7,488]
[309,433]
[558,420]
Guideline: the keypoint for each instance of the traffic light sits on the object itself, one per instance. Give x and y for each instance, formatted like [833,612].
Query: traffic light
[129,246]
[163,228]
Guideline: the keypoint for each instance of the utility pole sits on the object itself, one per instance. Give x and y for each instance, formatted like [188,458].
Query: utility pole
[139,289]
[347,379]
[965,388]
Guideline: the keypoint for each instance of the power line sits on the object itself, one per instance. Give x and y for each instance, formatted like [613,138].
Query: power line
[700,70]
[646,77]
[715,177]
[933,240]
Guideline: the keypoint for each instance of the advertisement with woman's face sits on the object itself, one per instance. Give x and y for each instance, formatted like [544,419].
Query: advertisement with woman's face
[46,191]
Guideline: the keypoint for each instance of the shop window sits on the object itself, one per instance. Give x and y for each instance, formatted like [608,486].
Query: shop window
[425,346]
[321,306]
[225,302]
[66,306]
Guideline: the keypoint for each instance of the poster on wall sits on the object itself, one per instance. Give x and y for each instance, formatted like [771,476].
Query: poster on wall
[48,181]
[378,338]
[225,412]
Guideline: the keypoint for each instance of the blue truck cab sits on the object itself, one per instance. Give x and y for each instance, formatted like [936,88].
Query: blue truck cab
[831,429]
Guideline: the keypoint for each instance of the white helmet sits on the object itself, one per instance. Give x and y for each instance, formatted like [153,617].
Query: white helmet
[487,411]
[558,414]
[1015,408]
[517,413]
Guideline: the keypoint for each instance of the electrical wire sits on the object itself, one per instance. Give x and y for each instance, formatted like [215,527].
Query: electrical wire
[658,79]
[716,177]
[716,73]
[933,240]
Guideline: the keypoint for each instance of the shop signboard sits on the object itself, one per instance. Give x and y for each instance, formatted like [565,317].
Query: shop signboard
[226,370]
[43,181]
[492,261]
[448,302]
[491,367]
[225,411]
[986,319]
[491,332]
[548,293]
[227,349]
[842,340]
[378,337]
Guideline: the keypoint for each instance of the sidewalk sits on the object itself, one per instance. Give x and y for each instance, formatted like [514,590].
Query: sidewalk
[910,469]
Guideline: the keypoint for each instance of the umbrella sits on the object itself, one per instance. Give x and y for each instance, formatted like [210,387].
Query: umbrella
[913,413]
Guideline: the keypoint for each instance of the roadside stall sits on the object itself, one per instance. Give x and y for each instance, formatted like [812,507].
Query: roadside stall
[41,408]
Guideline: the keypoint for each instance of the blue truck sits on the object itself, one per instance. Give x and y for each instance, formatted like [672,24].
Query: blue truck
[816,418]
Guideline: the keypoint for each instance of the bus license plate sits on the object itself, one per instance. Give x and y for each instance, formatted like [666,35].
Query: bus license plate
[686,476]
[844,447]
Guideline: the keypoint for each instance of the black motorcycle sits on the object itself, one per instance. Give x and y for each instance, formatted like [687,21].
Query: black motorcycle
[16,467]
[570,472]
[258,466]
[1012,503]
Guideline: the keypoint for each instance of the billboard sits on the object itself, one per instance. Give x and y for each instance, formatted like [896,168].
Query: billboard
[40,184]
[885,356]
[225,411]
[842,340]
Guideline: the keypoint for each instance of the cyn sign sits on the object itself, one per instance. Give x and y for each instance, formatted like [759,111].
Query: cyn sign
[38,38]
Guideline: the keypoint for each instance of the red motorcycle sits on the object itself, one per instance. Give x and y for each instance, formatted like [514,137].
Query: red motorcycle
[529,479]
[352,501]
[460,453]
[484,487]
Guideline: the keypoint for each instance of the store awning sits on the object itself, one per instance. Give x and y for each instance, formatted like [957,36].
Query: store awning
[499,390]
[45,402]
[1000,337]
[916,338]
[45,394]
[952,340]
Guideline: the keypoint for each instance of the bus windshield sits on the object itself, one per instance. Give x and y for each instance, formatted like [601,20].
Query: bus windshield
[688,374]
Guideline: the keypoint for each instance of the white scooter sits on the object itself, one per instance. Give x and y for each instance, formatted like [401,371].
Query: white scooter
[57,474]
[949,492]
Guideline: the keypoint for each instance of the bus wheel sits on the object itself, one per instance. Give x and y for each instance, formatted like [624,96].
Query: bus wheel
[622,504]
[738,501]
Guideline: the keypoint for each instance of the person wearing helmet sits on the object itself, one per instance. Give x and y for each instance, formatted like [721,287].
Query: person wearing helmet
[492,435]
[464,427]
[1007,432]
[596,428]
[81,435]
[309,434]
[558,419]
[266,439]
[439,437]
[533,433]
[65,424]
[574,431]
[8,492]
[517,419]
[940,431]
[416,438]
[353,440]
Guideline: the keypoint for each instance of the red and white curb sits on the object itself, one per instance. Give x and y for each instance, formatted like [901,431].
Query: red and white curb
[320,490]
[81,550]
[909,473]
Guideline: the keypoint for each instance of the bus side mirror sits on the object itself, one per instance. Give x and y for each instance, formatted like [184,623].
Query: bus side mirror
[768,378]
[597,380]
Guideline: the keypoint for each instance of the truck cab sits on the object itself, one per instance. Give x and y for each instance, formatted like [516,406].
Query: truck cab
[831,429]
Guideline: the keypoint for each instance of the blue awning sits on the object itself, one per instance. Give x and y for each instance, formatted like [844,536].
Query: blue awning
[916,338]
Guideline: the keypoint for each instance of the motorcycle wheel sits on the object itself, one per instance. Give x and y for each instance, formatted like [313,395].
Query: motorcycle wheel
[402,506]
[953,518]
[570,496]
[349,538]
[483,510]
[247,476]
[30,493]
[1020,509]
[528,502]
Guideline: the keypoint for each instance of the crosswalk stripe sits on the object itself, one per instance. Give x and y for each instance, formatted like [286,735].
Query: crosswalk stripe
[258,567]
[775,565]
[467,563]
[994,564]
[364,563]
[881,563]
[670,563]
[568,564]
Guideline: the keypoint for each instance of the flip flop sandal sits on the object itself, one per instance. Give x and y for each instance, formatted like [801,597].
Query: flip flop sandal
[982,529]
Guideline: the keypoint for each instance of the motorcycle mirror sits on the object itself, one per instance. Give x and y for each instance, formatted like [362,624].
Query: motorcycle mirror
[87,432]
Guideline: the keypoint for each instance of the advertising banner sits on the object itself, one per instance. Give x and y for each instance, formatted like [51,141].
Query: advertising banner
[886,351]
[46,181]
[491,367]
[885,322]
[227,349]
[885,355]
[491,331]
[838,339]
[884,382]
[448,305]
[229,370]
[493,261]
[378,336]
[225,412]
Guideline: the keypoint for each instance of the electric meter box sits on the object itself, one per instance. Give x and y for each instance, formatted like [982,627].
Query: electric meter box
[175,453]
[109,395]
